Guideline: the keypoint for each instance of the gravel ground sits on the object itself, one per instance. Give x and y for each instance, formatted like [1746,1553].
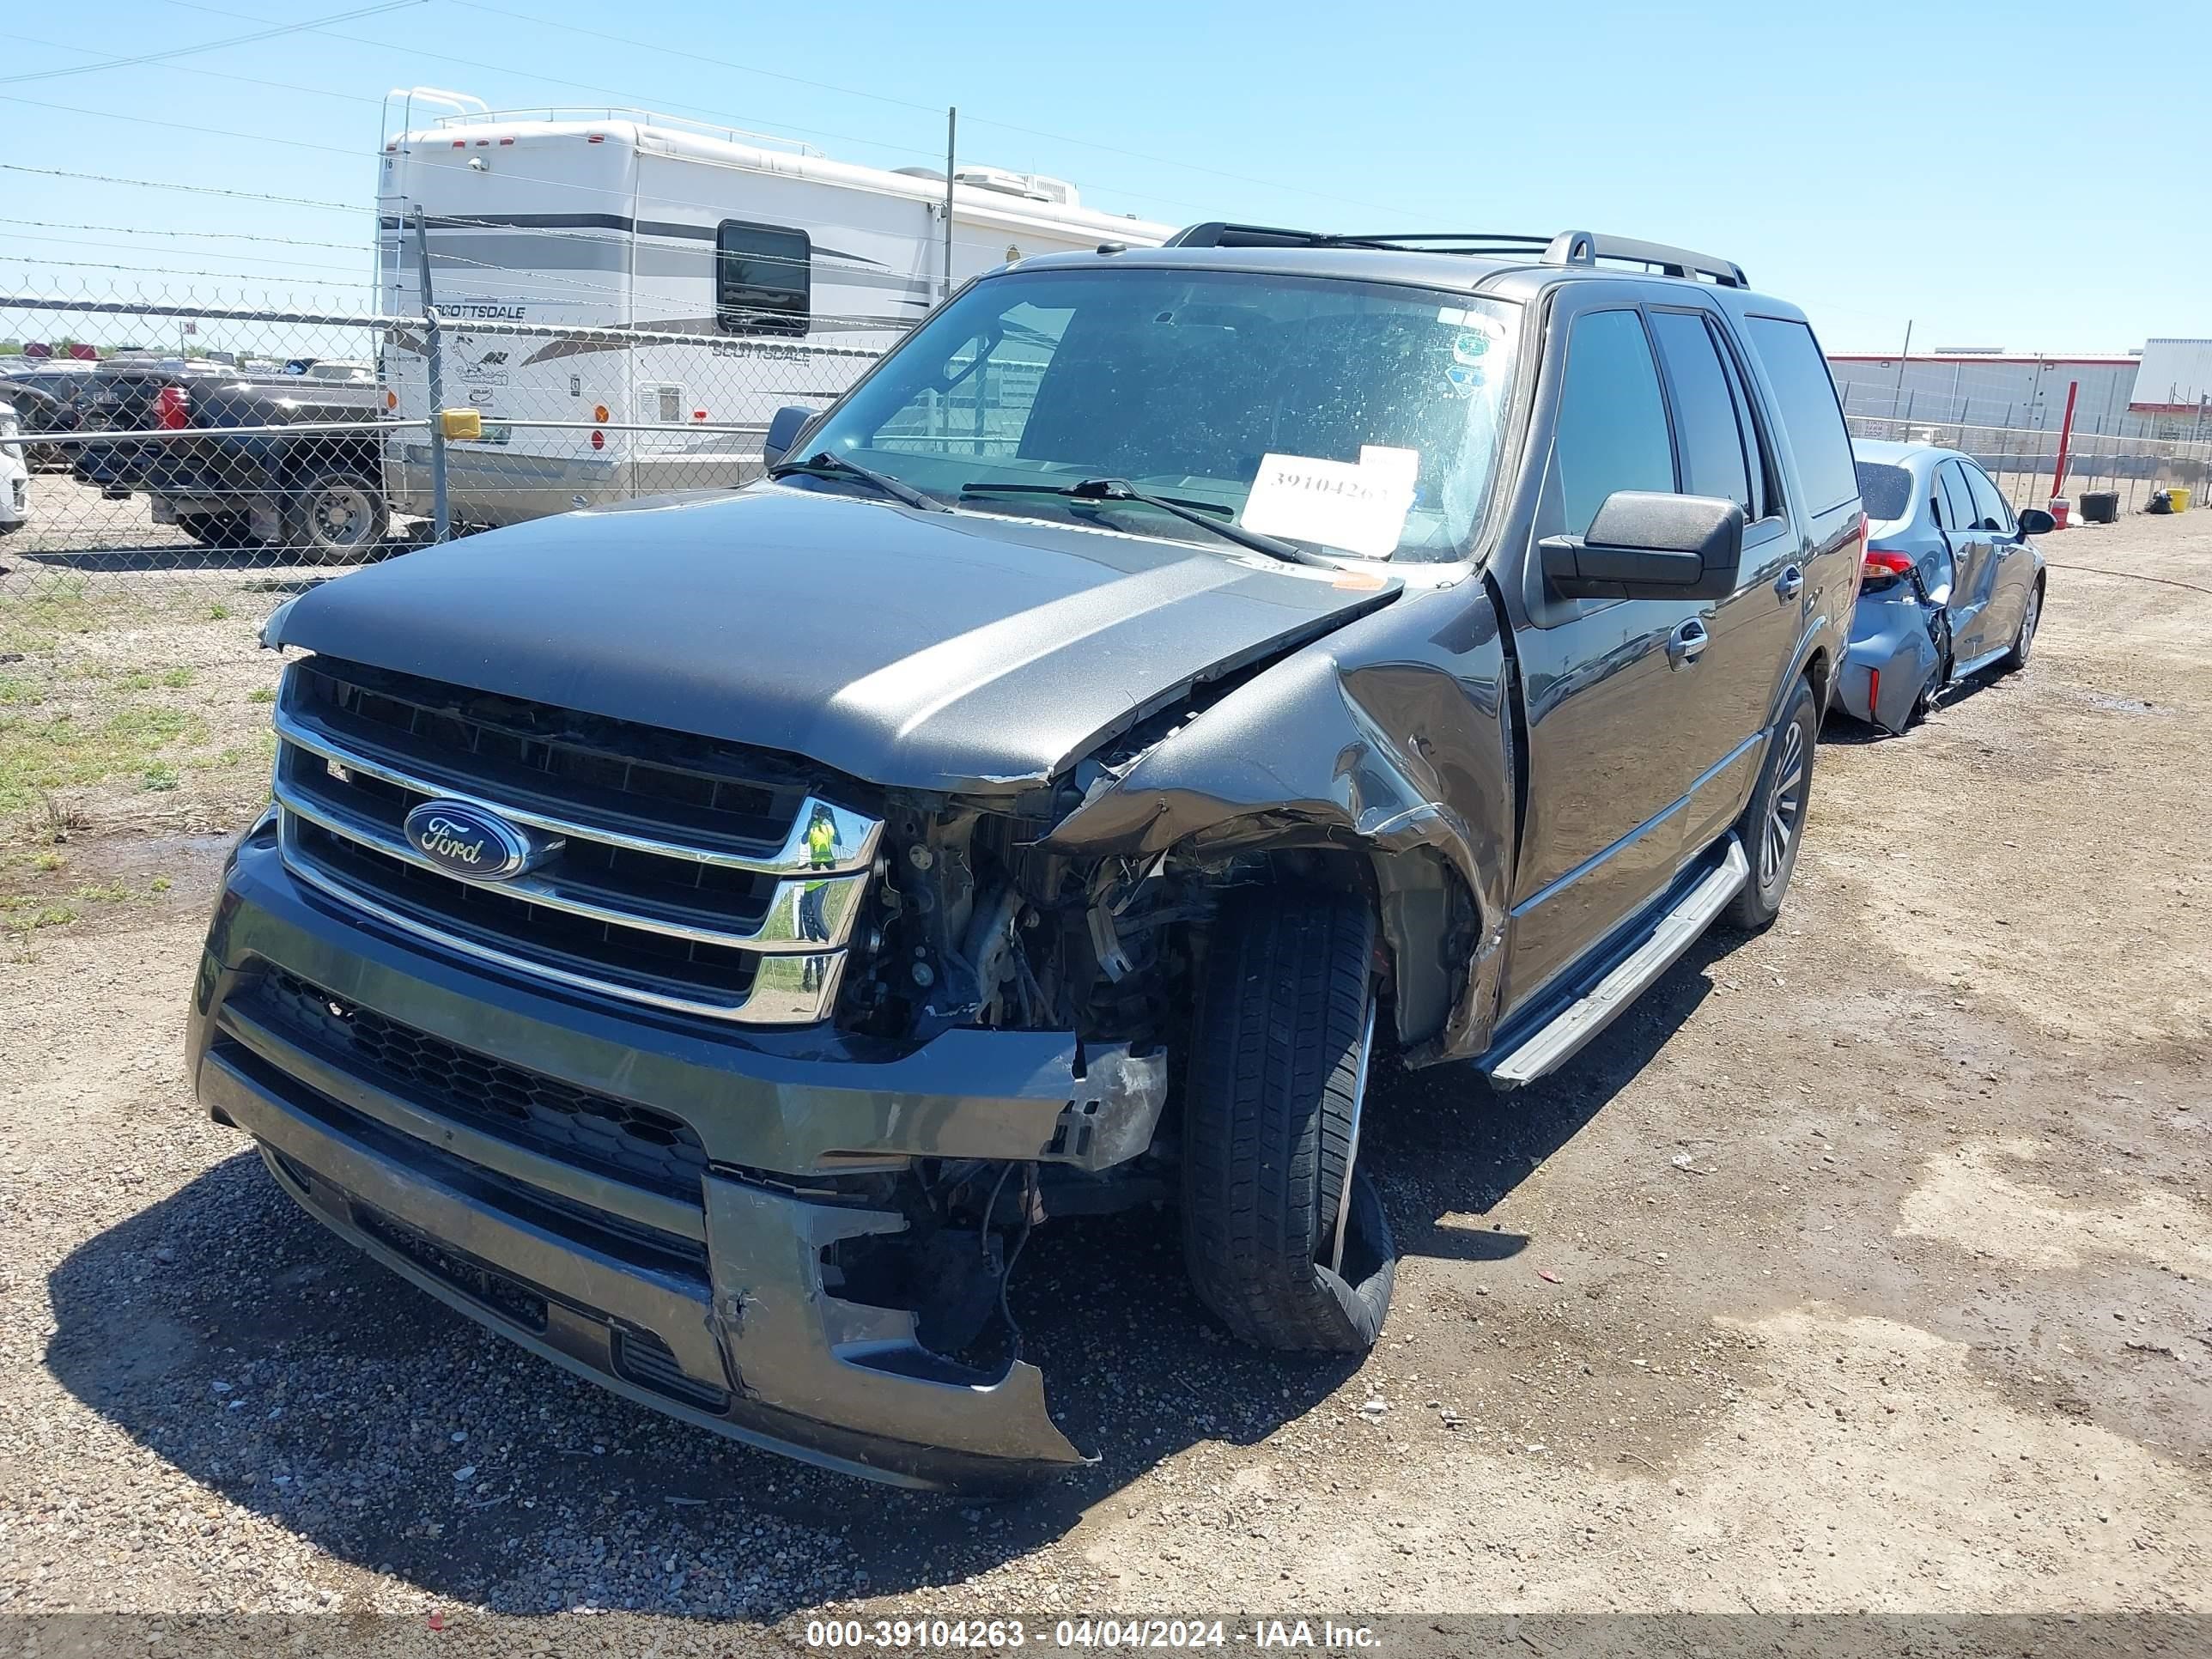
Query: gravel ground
[1863,1266]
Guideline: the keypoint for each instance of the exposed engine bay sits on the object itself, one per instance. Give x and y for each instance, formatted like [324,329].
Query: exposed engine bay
[974,923]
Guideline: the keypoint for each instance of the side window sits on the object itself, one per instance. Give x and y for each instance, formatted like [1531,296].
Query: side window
[1957,501]
[1612,421]
[1990,512]
[1705,424]
[1765,489]
[763,278]
[1807,399]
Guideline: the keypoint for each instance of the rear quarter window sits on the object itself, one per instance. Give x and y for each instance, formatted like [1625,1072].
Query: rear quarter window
[1810,414]
[1884,491]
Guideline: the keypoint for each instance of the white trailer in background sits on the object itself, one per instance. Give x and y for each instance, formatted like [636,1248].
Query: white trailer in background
[780,273]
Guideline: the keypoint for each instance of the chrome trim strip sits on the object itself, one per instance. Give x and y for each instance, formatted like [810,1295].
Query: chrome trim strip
[1558,885]
[778,933]
[855,834]
[780,993]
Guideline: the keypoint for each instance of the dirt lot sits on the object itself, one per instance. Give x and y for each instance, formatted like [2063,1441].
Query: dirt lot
[1865,1265]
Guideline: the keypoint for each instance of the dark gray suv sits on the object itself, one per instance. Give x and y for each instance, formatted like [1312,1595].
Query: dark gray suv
[702,939]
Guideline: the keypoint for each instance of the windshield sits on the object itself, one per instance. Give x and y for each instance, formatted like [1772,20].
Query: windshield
[1346,417]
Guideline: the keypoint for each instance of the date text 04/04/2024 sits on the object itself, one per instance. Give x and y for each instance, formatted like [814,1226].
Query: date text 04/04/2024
[925,1635]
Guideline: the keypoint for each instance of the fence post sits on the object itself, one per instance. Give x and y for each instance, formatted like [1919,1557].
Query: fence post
[2065,437]
[951,132]
[434,351]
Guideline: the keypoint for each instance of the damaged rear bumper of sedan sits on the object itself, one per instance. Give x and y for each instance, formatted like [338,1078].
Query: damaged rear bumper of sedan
[664,1214]
[1893,658]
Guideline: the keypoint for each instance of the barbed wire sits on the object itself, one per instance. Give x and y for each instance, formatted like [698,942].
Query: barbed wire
[195,190]
[692,55]
[173,270]
[928,154]
[217,75]
[267,33]
[638,100]
[205,235]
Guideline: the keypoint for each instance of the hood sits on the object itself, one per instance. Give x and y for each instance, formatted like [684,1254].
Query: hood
[951,651]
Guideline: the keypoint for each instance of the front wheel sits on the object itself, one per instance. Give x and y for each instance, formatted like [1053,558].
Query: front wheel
[1773,825]
[1284,1236]
[337,517]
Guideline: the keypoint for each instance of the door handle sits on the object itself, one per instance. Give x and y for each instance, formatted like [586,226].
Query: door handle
[1790,583]
[1686,643]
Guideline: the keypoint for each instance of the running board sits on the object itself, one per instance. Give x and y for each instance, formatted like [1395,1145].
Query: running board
[1563,1037]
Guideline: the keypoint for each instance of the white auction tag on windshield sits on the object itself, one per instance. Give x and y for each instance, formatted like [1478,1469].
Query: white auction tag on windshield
[1360,509]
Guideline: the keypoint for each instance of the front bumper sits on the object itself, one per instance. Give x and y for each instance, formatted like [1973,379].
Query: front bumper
[718,1314]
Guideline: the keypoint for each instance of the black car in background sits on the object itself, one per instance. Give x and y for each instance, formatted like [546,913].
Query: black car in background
[49,401]
[228,480]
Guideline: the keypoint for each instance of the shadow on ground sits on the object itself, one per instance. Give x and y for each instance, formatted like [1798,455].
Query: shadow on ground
[226,1331]
[283,564]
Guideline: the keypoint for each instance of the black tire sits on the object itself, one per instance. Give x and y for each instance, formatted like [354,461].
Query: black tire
[216,529]
[1281,1039]
[1774,826]
[337,516]
[2023,644]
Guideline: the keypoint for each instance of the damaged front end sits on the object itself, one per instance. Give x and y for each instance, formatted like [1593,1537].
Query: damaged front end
[765,1150]
[801,1240]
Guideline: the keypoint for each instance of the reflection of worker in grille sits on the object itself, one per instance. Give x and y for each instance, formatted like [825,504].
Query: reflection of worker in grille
[821,855]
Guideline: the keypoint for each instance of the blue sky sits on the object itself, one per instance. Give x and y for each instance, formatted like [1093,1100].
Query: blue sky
[1999,173]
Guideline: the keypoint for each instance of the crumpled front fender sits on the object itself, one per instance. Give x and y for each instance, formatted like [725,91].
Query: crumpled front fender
[1404,759]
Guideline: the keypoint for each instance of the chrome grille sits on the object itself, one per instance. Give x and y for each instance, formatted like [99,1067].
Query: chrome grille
[688,875]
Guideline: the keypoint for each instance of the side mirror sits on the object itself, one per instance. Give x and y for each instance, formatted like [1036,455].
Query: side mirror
[783,430]
[1645,545]
[2034,521]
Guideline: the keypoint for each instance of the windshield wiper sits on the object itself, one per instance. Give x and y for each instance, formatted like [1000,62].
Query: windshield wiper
[1120,489]
[837,466]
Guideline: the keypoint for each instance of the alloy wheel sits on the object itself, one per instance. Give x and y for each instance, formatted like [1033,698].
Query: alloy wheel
[1785,806]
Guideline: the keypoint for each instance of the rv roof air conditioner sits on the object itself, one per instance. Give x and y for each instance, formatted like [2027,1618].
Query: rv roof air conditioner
[1034,186]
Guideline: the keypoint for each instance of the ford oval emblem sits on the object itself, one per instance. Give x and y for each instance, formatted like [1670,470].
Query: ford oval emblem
[472,843]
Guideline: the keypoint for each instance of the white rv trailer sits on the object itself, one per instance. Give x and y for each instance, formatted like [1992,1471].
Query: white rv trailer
[724,274]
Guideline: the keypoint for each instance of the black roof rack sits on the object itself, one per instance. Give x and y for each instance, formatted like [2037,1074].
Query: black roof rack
[1569,248]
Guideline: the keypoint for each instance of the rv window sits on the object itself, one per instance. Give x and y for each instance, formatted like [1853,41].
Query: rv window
[761,278]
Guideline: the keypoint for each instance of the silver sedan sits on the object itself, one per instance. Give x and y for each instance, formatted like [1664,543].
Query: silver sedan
[1953,584]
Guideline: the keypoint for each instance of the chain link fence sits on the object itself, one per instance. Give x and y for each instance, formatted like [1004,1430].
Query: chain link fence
[2023,462]
[170,444]
[169,447]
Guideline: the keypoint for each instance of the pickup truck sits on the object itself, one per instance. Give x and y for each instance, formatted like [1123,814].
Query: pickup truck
[701,938]
[230,481]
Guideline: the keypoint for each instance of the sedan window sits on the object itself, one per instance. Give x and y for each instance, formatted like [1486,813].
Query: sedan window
[1886,491]
[1953,496]
[1990,511]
